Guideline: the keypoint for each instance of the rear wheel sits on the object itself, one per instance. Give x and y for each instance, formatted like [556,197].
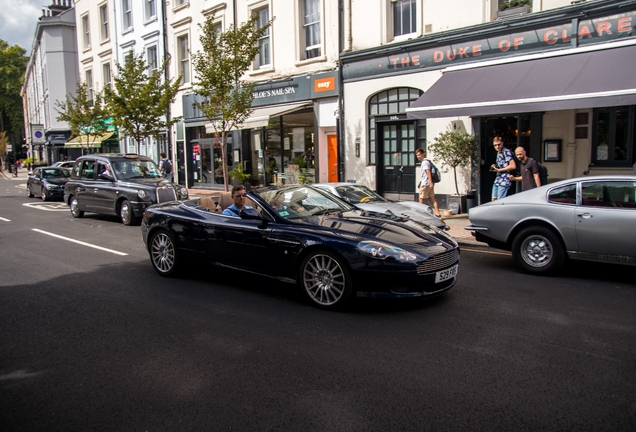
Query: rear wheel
[75,210]
[163,253]
[325,280]
[126,213]
[538,250]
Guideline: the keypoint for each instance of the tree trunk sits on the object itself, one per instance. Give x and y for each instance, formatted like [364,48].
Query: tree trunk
[455,173]
[223,160]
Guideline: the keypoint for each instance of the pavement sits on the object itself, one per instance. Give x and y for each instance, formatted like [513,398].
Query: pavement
[456,222]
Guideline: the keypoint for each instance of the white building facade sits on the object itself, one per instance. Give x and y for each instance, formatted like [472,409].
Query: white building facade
[50,76]
[536,75]
[294,123]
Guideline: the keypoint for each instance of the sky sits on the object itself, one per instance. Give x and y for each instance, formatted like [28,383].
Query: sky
[18,19]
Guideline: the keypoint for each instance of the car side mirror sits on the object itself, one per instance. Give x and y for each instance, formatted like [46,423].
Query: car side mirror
[30,173]
[251,214]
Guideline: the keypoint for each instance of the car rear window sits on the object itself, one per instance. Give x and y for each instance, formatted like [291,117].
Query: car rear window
[563,195]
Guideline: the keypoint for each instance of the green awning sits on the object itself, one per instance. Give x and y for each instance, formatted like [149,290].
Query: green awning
[95,141]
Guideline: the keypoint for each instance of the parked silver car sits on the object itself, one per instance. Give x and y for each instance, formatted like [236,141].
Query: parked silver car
[585,218]
[366,199]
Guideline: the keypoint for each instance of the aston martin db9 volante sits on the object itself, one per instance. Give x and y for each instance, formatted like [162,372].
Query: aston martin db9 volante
[304,235]
[586,218]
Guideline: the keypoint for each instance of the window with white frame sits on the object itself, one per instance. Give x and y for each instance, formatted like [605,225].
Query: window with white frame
[404,17]
[183,53]
[126,10]
[311,29]
[264,56]
[182,2]
[107,75]
[151,58]
[88,77]
[103,22]
[86,32]
[151,9]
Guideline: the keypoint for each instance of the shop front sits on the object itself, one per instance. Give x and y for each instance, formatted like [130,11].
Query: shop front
[107,142]
[564,91]
[54,146]
[292,126]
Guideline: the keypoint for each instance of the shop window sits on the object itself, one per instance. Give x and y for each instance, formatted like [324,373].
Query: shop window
[614,138]
[388,102]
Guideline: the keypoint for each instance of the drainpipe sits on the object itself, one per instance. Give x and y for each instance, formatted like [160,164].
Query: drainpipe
[341,136]
[166,54]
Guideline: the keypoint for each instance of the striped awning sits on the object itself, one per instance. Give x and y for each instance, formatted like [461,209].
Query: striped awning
[92,141]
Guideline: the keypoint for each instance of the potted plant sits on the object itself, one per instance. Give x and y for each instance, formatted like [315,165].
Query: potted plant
[238,175]
[454,148]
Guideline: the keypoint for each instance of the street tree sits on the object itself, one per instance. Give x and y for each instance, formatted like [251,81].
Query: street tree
[13,62]
[454,148]
[85,115]
[219,68]
[141,98]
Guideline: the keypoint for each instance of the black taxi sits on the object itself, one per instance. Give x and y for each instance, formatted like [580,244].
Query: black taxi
[118,184]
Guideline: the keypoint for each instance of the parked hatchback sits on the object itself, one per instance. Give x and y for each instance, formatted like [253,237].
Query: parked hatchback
[47,182]
[118,184]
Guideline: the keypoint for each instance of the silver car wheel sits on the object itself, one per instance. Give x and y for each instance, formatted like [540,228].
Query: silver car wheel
[324,280]
[536,251]
[75,211]
[162,253]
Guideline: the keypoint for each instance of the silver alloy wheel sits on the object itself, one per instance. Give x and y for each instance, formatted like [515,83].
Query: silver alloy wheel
[324,279]
[124,212]
[75,211]
[29,194]
[536,250]
[162,252]
[44,194]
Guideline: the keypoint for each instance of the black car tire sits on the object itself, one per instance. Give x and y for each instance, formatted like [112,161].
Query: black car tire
[324,280]
[164,254]
[74,205]
[126,213]
[538,250]
[29,193]
[44,194]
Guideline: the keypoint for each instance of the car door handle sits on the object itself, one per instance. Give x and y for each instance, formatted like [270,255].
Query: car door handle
[95,189]
[401,169]
[584,215]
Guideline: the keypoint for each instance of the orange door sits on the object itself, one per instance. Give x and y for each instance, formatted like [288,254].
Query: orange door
[332,158]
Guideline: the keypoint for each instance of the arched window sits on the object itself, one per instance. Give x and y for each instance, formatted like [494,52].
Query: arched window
[391,102]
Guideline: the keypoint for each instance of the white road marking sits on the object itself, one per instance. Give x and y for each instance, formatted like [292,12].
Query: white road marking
[6,220]
[48,206]
[80,242]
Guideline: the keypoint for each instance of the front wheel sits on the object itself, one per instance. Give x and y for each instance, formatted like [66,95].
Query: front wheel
[29,193]
[126,213]
[44,194]
[325,280]
[75,210]
[538,250]
[163,253]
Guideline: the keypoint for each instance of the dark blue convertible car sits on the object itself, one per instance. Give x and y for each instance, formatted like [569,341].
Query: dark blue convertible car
[303,235]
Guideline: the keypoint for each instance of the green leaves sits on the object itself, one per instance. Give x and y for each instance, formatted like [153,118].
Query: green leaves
[139,100]
[13,62]
[454,148]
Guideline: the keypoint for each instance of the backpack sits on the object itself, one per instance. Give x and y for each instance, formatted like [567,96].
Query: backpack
[435,174]
[167,166]
[543,173]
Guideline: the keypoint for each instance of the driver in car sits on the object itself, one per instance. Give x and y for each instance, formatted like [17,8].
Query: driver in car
[238,195]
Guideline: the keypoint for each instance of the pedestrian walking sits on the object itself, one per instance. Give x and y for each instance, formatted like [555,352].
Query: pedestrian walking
[529,173]
[426,185]
[504,164]
[165,166]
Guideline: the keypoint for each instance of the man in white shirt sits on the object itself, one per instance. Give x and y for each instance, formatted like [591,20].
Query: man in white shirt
[426,184]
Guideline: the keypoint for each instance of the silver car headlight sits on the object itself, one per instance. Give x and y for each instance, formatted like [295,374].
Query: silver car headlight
[379,250]
[51,186]
[142,194]
[183,192]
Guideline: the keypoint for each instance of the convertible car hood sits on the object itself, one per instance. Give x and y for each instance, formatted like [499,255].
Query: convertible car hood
[386,228]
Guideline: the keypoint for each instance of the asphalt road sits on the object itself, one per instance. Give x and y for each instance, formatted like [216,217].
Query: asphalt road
[94,340]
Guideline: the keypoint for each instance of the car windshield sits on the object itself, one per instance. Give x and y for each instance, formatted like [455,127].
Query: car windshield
[301,201]
[51,173]
[356,194]
[135,169]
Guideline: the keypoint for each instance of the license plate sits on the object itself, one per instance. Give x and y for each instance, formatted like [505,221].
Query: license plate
[443,275]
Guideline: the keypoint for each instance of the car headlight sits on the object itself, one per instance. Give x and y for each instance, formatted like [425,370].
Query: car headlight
[379,250]
[51,186]
[142,194]
[183,192]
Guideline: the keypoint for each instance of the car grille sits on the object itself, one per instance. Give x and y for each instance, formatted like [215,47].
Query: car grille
[439,262]
[166,194]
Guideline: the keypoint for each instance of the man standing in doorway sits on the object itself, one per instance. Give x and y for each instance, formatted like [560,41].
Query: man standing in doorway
[529,171]
[426,185]
[505,163]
